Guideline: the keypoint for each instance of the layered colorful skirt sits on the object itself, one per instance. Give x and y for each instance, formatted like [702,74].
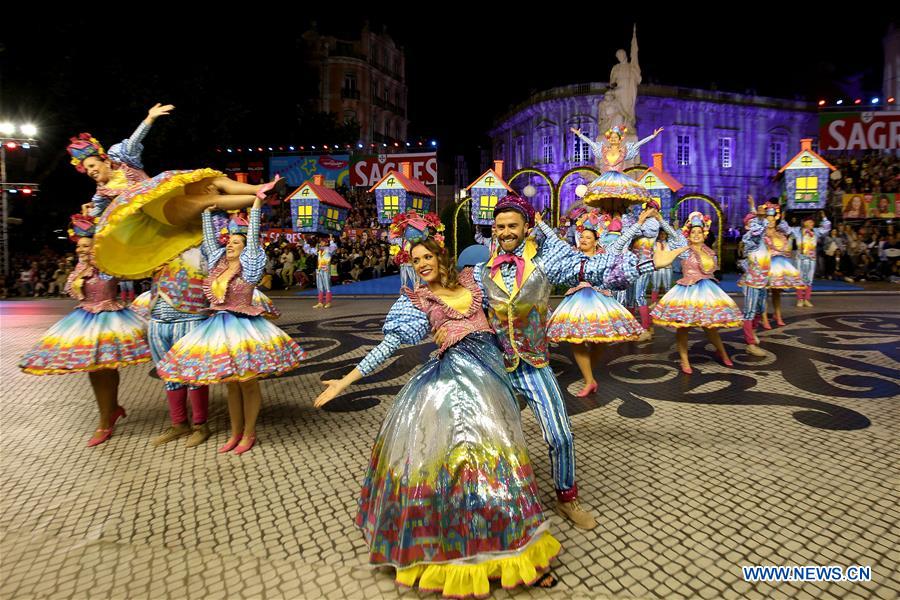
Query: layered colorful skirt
[784,275]
[703,304]
[230,347]
[449,498]
[613,185]
[587,315]
[85,341]
[133,236]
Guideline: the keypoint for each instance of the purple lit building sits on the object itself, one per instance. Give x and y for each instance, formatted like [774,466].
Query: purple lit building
[717,144]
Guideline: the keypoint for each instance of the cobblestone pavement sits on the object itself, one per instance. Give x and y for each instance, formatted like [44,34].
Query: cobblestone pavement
[787,460]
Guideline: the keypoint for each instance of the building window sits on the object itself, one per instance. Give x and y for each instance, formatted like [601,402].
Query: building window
[391,206]
[650,181]
[520,152]
[547,148]
[725,152]
[486,206]
[776,155]
[807,189]
[806,161]
[331,218]
[683,154]
[350,81]
[581,151]
[304,215]
[417,204]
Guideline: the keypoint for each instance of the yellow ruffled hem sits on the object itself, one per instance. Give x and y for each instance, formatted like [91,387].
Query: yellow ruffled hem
[467,581]
[114,365]
[682,325]
[595,340]
[132,244]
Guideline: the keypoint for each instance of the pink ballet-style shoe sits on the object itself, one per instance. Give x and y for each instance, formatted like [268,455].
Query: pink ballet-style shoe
[229,445]
[96,441]
[725,360]
[687,370]
[118,414]
[779,322]
[240,449]
[268,187]
[765,325]
[587,390]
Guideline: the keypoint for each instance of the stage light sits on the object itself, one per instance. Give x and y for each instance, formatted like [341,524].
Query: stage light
[7,128]
[28,130]
[839,102]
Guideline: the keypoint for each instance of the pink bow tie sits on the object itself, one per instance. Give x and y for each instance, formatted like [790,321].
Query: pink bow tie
[518,261]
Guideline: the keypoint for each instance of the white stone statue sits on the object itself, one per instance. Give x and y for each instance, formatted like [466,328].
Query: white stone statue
[624,79]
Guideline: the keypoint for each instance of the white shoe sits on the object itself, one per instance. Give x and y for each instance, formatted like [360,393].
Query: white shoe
[755,351]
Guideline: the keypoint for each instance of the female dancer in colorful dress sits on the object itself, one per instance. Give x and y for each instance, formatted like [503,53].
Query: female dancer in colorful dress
[696,300]
[237,345]
[145,222]
[98,337]
[613,184]
[449,498]
[807,239]
[783,275]
[590,317]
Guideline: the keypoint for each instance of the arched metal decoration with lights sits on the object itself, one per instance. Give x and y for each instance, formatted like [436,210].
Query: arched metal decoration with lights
[554,200]
[635,171]
[459,206]
[562,181]
[720,224]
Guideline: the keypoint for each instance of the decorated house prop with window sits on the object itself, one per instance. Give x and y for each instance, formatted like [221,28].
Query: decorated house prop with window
[317,209]
[398,192]
[485,192]
[661,184]
[805,179]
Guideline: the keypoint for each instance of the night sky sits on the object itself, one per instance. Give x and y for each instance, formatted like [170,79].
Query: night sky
[232,76]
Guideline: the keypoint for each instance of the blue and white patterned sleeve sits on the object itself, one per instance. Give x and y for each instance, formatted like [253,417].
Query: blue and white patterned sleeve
[100,203]
[130,149]
[650,228]
[332,248]
[676,238]
[753,237]
[560,262]
[477,270]
[404,324]
[634,147]
[253,257]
